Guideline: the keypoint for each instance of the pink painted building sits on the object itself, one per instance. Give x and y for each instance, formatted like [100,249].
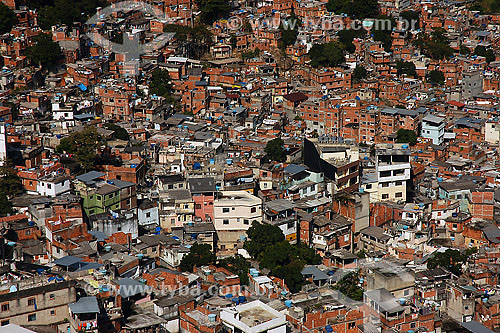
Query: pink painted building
[203,191]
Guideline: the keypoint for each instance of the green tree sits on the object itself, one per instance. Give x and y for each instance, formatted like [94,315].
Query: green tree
[262,235]
[10,183]
[66,12]
[359,9]
[199,255]
[120,132]
[412,17]
[327,55]
[233,41]
[347,36]
[359,73]
[7,18]
[406,136]
[44,52]
[5,205]
[83,145]
[464,50]
[383,33]
[450,259]
[436,77]
[289,29]
[237,264]
[213,10]
[292,275]
[406,67]
[482,51]
[435,45]
[348,286]
[160,84]
[275,150]
[286,261]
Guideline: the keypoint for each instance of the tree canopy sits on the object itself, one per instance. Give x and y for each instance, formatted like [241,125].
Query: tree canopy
[289,29]
[436,77]
[359,73]
[120,132]
[213,10]
[327,55]
[262,235]
[199,255]
[348,286]
[359,9]
[451,260]
[7,18]
[66,11]
[435,45]
[275,150]
[406,67]
[406,136]
[237,265]
[482,51]
[10,183]
[44,52]
[347,36]
[267,244]
[83,145]
[160,83]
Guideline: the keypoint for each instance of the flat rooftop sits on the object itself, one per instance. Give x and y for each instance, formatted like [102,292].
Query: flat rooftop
[256,316]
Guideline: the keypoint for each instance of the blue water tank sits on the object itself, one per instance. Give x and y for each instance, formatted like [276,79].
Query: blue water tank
[328,328]
[404,146]
[236,300]
[229,295]
[288,303]
[212,317]
[242,299]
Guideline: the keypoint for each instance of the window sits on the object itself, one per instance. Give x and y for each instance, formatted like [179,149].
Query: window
[32,317]
[399,194]
[412,325]
[225,221]
[5,307]
[99,197]
[385,184]
[148,215]
[398,183]
[407,292]
[170,186]
[197,206]
[5,322]
[290,225]
[245,221]
[27,232]
[31,301]
[52,312]
[346,238]
[351,325]
[52,296]
[385,196]
[225,210]
[253,210]
[368,186]
[49,186]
